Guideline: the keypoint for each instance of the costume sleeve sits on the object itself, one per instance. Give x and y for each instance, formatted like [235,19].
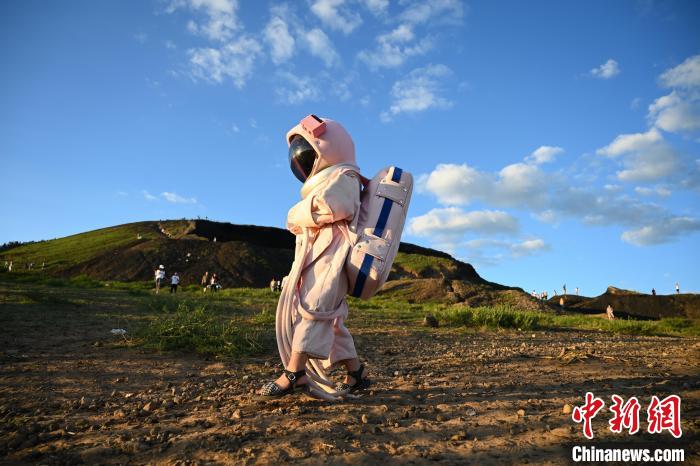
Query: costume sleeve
[338,200]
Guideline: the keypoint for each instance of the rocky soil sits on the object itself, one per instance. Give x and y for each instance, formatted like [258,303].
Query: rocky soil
[439,395]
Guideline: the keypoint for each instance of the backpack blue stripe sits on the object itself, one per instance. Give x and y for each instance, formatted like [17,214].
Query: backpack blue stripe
[378,231]
[383,217]
[362,275]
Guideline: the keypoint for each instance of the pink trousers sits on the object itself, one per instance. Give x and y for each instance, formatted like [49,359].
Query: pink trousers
[328,340]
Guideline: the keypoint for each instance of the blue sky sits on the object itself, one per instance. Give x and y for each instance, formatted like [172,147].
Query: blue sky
[552,142]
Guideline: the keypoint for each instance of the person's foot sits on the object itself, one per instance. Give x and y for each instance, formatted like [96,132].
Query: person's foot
[355,380]
[349,380]
[282,385]
[283,382]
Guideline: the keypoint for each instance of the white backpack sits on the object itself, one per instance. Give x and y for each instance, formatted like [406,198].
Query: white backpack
[375,233]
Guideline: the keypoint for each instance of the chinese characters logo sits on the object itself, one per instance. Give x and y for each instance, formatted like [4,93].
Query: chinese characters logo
[661,415]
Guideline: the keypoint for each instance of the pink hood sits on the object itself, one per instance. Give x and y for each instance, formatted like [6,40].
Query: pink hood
[334,147]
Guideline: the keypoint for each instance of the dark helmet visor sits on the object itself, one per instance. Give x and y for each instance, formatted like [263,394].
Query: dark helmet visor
[301,157]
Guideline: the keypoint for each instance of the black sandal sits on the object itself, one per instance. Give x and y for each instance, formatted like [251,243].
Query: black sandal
[360,383]
[271,390]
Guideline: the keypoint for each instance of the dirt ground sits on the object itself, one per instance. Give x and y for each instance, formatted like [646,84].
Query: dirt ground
[70,392]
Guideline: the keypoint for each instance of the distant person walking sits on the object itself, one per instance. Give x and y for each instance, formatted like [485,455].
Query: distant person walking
[561,303]
[205,281]
[9,267]
[653,291]
[678,288]
[159,276]
[273,284]
[564,288]
[577,291]
[609,312]
[174,282]
[215,283]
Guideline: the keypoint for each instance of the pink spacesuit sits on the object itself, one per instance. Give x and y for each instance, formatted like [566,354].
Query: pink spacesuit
[312,305]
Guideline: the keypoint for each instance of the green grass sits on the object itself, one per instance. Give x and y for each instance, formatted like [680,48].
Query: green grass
[505,317]
[492,317]
[71,250]
[196,328]
[420,264]
[241,321]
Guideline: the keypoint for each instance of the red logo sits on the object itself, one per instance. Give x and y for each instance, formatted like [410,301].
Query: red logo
[587,412]
[625,416]
[665,415]
[661,415]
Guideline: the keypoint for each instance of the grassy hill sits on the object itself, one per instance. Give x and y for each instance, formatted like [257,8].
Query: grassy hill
[244,255]
[249,256]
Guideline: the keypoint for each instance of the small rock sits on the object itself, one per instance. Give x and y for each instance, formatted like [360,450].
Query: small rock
[430,321]
[364,419]
[521,412]
[236,414]
[566,409]
[149,407]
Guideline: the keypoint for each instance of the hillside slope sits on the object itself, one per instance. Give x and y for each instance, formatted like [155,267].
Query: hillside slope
[640,305]
[243,255]
[249,256]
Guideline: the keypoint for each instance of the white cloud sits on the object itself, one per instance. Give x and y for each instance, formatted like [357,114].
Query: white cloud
[675,113]
[645,156]
[420,11]
[169,45]
[528,247]
[394,48]
[148,196]
[454,184]
[687,74]
[658,190]
[336,15]
[489,251]
[377,7]
[679,111]
[234,61]
[321,46]
[300,88]
[607,70]
[546,216]
[419,91]
[177,199]
[662,231]
[453,222]
[544,154]
[221,19]
[279,39]
[550,197]
[515,184]
[625,143]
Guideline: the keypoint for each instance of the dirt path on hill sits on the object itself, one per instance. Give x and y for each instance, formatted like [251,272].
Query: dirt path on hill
[71,394]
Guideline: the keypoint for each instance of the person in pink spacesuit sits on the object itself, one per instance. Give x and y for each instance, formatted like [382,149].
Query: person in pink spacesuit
[312,307]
